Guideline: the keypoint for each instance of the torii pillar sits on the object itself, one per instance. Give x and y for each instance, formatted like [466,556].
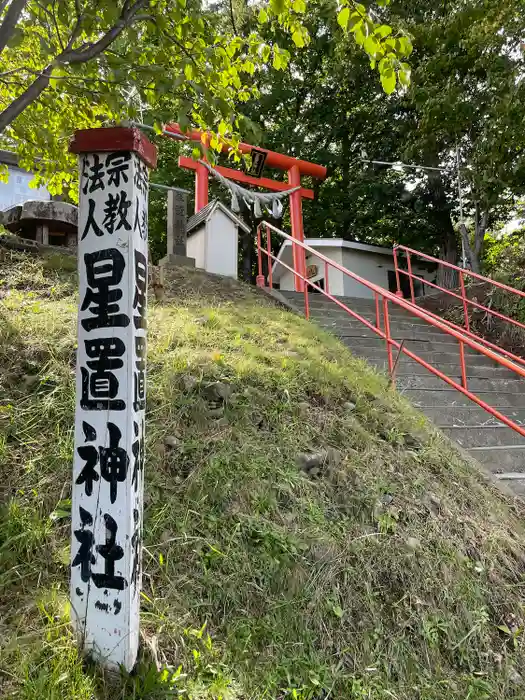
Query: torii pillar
[294,167]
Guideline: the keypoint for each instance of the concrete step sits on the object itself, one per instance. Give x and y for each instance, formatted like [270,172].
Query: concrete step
[459,416]
[419,346]
[361,331]
[501,459]
[485,436]
[321,300]
[397,328]
[396,325]
[340,315]
[474,359]
[476,384]
[500,448]
[451,397]
[407,368]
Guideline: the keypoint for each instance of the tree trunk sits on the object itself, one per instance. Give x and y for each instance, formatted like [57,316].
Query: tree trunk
[448,251]
[474,251]
[10,20]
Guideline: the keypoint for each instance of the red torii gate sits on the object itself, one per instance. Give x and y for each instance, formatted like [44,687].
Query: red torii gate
[293,166]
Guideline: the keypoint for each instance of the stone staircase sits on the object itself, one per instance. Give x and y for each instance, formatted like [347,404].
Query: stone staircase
[499,448]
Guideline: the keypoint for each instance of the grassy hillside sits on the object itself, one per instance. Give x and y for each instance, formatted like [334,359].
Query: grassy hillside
[386,569]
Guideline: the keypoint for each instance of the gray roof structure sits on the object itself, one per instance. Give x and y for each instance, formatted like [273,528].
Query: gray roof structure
[200,218]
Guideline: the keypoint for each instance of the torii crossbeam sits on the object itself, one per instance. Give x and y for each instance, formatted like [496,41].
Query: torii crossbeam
[293,166]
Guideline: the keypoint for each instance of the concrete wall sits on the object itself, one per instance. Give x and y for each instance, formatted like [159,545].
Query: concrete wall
[196,246]
[335,278]
[223,245]
[215,245]
[373,267]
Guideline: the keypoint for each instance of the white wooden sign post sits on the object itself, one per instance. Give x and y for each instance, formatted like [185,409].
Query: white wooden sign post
[108,469]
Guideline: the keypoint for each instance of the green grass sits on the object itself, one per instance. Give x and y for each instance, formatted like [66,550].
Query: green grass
[387,576]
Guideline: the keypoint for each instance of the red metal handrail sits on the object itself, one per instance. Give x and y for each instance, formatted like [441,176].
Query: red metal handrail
[463,298]
[387,297]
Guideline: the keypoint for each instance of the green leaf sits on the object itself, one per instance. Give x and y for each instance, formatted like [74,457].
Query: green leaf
[62,510]
[388,81]
[278,6]
[403,46]
[404,77]
[343,17]
[383,31]
[299,6]
[263,16]
[298,39]
[359,34]
[338,611]
[356,21]
[265,52]
[371,45]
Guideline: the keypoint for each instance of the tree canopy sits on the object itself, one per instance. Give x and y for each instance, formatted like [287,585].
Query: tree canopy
[299,76]
[465,95]
[71,64]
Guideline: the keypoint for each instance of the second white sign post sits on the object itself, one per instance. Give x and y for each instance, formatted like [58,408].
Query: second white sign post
[108,470]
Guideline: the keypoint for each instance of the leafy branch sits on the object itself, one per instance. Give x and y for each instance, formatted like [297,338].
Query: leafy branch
[384,50]
[69,56]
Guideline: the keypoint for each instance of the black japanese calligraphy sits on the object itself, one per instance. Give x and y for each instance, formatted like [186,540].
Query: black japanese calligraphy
[116,212]
[138,450]
[104,270]
[117,166]
[100,385]
[140,222]
[84,557]
[141,283]
[88,474]
[141,176]
[91,222]
[139,375]
[114,461]
[111,553]
[136,546]
[92,174]
[90,434]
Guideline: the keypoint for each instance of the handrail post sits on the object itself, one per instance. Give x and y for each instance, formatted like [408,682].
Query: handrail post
[306,301]
[388,338]
[260,277]
[464,297]
[399,293]
[463,365]
[409,265]
[269,248]
[326,286]
[378,314]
